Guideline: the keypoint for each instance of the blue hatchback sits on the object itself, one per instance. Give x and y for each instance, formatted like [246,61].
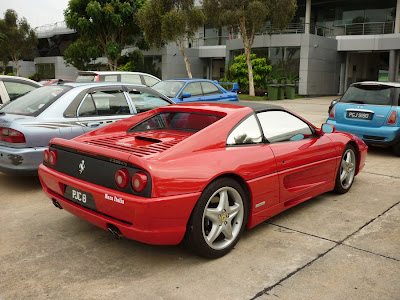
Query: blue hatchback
[370,110]
[191,90]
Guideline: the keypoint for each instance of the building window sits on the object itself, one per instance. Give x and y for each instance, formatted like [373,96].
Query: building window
[46,71]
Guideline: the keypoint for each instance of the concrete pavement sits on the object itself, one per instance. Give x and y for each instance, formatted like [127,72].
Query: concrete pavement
[330,247]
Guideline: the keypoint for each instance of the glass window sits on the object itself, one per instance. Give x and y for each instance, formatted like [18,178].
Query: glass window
[85,78]
[109,78]
[16,89]
[194,89]
[368,94]
[34,102]
[168,88]
[150,80]
[210,88]
[281,126]
[145,101]
[131,78]
[247,132]
[104,103]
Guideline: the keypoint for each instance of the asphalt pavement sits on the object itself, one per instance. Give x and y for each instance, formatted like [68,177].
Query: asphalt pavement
[329,247]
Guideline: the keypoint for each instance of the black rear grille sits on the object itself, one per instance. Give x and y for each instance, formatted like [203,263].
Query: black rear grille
[376,138]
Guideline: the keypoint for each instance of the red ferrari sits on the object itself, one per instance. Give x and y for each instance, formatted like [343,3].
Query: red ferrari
[199,173]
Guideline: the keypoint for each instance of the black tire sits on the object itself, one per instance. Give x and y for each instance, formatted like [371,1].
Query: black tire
[208,236]
[347,169]
[396,148]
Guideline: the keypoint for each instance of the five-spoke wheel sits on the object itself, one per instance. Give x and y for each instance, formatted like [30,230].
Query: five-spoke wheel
[347,170]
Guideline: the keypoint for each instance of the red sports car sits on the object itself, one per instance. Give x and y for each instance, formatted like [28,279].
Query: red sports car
[199,172]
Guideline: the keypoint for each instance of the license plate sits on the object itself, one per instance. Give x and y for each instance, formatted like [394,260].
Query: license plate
[80,197]
[359,115]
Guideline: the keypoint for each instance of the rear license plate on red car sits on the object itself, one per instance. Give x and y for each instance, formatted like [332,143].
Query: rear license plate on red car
[80,197]
[359,115]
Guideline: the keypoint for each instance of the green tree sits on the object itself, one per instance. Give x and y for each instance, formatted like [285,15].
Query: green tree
[248,17]
[17,39]
[132,61]
[239,71]
[79,54]
[109,25]
[166,21]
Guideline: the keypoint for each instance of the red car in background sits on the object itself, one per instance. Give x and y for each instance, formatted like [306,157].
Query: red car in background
[199,173]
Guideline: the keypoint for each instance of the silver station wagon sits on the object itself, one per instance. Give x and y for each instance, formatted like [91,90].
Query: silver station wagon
[64,110]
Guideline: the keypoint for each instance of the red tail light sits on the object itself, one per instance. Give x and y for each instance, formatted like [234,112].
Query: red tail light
[46,155]
[11,136]
[122,178]
[97,78]
[392,118]
[139,181]
[332,113]
[53,158]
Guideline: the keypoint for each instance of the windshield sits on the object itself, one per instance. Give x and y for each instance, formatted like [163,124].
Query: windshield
[36,101]
[168,88]
[368,94]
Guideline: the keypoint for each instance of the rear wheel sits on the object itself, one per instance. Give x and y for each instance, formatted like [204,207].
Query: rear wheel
[347,170]
[218,219]
[396,149]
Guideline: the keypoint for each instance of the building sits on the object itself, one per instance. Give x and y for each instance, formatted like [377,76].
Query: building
[329,44]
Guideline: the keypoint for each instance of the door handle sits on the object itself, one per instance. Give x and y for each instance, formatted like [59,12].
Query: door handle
[93,124]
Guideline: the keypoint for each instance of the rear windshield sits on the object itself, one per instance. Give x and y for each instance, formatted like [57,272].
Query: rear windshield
[36,101]
[369,94]
[85,78]
[176,121]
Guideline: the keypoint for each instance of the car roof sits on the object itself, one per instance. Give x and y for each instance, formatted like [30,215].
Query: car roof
[95,84]
[112,73]
[191,79]
[226,106]
[382,83]
[19,78]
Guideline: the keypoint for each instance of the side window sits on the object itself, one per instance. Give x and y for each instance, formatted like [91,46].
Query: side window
[145,101]
[210,89]
[131,78]
[193,88]
[150,81]
[109,78]
[281,126]
[247,132]
[16,89]
[104,103]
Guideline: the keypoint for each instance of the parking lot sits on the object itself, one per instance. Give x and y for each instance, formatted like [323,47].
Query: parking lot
[330,247]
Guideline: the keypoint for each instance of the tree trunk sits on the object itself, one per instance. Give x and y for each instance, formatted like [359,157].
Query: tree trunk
[181,47]
[247,42]
[15,60]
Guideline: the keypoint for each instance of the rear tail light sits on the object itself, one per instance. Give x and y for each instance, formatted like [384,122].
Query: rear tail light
[139,181]
[332,113]
[46,155]
[53,158]
[11,136]
[97,78]
[122,178]
[392,118]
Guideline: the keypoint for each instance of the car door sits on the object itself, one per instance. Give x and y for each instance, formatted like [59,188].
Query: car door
[103,106]
[211,92]
[195,91]
[304,159]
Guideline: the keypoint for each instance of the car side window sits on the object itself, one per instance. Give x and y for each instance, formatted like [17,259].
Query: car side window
[210,89]
[246,132]
[109,78]
[281,126]
[103,103]
[194,89]
[150,80]
[16,89]
[131,78]
[146,101]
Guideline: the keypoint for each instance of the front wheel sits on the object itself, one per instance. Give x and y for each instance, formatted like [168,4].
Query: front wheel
[347,170]
[218,219]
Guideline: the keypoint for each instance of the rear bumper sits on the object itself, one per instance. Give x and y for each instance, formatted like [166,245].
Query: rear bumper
[384,135]
[21,161]
[157,221]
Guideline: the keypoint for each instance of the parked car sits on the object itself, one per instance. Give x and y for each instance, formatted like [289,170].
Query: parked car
[117,76]
[67,110]
[198,172]
[190,90]
[12,87]
[370,110]
[52,81]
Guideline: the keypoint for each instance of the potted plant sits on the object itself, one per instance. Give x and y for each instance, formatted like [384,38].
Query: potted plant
[275,90]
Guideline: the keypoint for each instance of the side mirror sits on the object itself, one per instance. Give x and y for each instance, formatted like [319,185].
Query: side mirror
[186,95]
[327,128]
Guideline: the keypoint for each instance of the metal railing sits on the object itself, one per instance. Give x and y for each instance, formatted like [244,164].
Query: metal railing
[48,27]
[365,28]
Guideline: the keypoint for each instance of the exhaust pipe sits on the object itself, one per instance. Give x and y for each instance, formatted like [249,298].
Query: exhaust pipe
[115,231]
[57,204]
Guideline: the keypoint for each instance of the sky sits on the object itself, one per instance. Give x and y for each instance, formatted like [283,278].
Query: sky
[37,12]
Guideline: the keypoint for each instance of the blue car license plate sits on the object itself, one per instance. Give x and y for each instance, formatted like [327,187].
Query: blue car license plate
[80,197]
[359,115]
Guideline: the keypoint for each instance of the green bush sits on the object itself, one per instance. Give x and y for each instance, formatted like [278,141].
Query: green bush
[10,74]
[35,77]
